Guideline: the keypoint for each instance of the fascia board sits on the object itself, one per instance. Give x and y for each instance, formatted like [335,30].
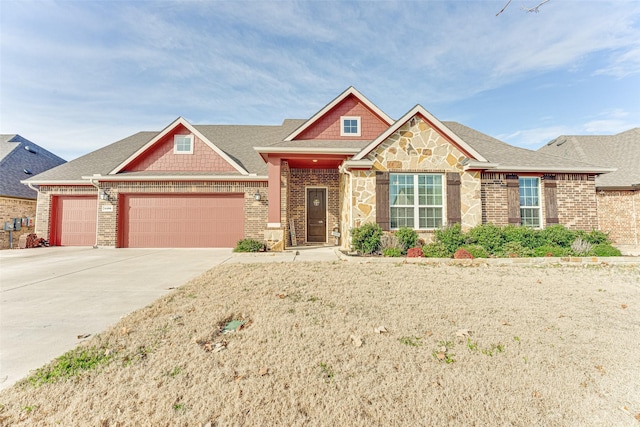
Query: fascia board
[350,91]
[557,169]
[167,130]
[57,182]
[418,109]
[115,178]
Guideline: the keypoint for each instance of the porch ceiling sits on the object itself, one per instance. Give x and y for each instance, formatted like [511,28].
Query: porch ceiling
[315,161]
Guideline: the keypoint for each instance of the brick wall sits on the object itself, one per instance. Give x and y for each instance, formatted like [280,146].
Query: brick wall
[619,215]
[300,180]
[10,208]
[575,194]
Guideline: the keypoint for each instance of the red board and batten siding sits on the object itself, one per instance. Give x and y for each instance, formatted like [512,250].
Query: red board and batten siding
[73,220]
[328,126]
[181,220]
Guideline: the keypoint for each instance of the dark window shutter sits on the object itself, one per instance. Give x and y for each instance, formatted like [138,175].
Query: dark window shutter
[550,200]
[513,199]
[382,200]
[454,214]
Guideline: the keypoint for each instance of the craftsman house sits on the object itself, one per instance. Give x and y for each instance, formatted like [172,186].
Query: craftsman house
[19,159]
[307,182]
[617,193]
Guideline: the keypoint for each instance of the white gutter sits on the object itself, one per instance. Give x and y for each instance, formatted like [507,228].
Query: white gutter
[56,182]
[307,150]
[495,167]
[357,164]
[95,246]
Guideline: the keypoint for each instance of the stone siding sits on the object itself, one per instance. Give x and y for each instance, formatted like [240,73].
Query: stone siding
[299,181]
[619,215]
[10,208]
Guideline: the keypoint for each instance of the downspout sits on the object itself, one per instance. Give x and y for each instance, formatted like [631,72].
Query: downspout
[37,190]
[97,212]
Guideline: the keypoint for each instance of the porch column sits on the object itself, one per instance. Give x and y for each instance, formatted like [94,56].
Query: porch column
[274,220]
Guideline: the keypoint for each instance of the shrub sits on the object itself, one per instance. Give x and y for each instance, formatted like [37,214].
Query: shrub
[476,251]
[488,236]
[581,247]
[462,254]
[550,250]
[594,237]
[451,237]
[389,241]
[527,236]
[415,253]
[515,250]
[366,238]
[558,235]
[392,252]
[605,249]
[436,250]
[407,237]
[249,245]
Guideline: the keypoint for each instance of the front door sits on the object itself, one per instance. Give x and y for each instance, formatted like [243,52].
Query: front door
[316,215]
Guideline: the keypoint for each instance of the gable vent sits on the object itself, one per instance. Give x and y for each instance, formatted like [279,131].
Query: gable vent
[30,149]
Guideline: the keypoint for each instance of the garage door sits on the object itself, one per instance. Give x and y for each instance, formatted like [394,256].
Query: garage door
[181,221]
[74,221]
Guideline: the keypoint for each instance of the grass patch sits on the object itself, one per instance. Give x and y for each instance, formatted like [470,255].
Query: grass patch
[70,364]
[411,341]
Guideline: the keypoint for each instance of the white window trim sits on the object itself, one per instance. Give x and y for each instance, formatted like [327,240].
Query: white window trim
[538,207]
[416,201]
[357,119]
[175,144]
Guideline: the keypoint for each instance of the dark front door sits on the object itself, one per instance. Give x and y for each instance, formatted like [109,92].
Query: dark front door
[316,215]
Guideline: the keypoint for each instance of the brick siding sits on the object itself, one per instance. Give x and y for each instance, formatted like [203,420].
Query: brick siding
[619,215]
[10,208]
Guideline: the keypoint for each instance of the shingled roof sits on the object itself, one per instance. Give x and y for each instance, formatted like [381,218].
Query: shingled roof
[20,159]
[621,151]
[505,157]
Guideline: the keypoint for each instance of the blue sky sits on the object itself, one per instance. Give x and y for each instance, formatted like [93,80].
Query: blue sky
[78,75]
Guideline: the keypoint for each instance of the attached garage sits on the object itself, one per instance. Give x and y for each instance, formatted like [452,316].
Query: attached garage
[181,220]
[73,221]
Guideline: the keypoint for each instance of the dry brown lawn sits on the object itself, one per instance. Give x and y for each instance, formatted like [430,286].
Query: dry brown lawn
[465,346]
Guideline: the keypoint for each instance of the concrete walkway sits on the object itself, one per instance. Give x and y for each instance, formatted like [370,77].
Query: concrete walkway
[52,296]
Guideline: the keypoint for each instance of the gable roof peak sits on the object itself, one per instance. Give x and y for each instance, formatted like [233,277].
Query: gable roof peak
[350,91]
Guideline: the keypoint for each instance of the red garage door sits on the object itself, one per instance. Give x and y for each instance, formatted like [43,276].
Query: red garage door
[181,220]
[74,221]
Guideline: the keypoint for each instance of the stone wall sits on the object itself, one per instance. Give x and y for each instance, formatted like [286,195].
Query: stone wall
[417,148]
[619,215]
[10,208]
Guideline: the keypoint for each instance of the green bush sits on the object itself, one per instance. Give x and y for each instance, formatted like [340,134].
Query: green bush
[451,237]
[436,250]
[527,236]
[366,238]
[489,236]
[605,249]
[407,237]
[515,249]
[558,235]
[392,252]
[249,245]
[550,250]
[594,237]
[476,250]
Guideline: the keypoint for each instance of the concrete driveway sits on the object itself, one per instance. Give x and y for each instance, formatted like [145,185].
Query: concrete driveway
[50,296]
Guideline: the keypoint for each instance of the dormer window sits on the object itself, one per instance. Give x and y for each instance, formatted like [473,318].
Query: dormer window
[183,144]
[349,126]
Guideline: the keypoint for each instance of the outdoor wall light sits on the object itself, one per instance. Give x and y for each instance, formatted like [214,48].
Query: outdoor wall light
[104,195]
[257,196]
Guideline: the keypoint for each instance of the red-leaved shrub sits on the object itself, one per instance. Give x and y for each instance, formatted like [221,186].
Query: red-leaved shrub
[415,253]
[462,254]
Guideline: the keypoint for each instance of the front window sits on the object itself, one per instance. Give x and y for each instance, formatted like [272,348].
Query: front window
[530,202]
[349,126]
[415,200]
[183,144]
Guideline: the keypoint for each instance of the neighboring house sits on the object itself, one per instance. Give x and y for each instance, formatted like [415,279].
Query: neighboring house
[19,159]
[617,193]
[211,185]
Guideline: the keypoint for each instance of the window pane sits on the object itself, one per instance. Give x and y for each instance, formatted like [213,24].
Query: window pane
[430,217]
[430,190]
[401,217]
[401,189]
[350,126]
[530,217]
[529,192]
